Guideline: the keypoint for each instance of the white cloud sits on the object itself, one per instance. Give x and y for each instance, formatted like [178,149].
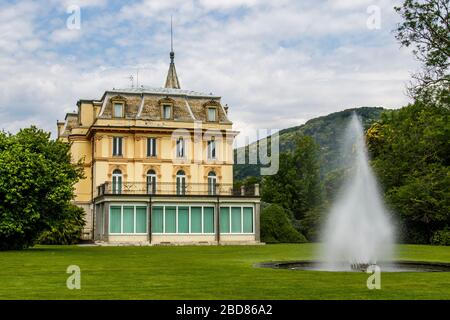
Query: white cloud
[229,4]
[277,64]
[65,35]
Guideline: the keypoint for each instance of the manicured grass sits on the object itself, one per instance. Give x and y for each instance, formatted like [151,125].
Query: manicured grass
[201,272]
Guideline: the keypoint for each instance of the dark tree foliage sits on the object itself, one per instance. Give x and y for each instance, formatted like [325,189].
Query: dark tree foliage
[68,230]
[276,226]
[411,156]
[296,186]
[36,185]
[426,28]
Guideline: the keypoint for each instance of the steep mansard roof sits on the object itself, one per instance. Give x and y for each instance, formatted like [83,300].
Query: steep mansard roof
[145,103]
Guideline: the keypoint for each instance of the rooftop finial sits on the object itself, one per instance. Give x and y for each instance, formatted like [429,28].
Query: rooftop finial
[172,54]
[172,78]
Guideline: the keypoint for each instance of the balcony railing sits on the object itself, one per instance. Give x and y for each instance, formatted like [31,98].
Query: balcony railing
[168,188]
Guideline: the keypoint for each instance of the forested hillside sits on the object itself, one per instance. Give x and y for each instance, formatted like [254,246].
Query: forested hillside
[327,132]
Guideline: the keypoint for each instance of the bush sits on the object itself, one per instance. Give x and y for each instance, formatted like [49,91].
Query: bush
[66,231]
[442,237]
[276,227]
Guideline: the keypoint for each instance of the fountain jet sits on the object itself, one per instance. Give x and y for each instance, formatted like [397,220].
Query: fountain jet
[358,231]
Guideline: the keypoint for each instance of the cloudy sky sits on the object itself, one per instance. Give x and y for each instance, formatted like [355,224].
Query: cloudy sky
[275,63]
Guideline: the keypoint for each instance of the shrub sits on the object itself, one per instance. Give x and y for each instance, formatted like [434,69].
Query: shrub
[66,231]
[441,237]
[277,227]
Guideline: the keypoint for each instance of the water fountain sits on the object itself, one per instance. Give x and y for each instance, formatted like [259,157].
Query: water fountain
[358,231]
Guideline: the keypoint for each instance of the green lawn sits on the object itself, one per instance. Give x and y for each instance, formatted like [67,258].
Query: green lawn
[203,272]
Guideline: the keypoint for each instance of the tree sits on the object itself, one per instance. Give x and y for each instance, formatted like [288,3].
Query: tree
[426,28]
[276,226]
[411,156]
[36,185]
[296,186]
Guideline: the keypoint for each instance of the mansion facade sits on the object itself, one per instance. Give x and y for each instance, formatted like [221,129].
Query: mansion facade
[158,166]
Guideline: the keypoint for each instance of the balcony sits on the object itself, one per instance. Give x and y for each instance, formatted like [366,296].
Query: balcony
[173,189]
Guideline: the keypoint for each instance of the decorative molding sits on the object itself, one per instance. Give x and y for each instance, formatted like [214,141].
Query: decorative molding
[186,169]
[211,103]
[166,100]
[118,98]
[216,169]
[121,167]
[153,167]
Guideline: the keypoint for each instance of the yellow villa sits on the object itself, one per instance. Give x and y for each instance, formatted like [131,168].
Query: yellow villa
[158,166]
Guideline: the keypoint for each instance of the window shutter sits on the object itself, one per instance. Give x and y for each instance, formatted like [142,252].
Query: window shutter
[182,147]
[209,149]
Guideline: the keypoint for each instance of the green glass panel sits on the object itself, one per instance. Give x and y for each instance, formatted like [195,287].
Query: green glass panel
[248,220]
[236,220]
[196,219]
[157,219]
[208,220]
[183,219]
[114,219]
[170,220]
[141,219]
[225,220]
[128,220]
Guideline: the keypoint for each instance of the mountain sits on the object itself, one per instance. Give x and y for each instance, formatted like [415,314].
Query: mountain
[327,131]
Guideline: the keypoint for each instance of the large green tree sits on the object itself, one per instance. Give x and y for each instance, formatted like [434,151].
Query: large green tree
[425,27]
[411,155]
[296,186]
[411,146]
[36,185]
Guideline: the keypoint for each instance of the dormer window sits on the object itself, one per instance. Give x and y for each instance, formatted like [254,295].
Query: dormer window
[212,114]
[118,110]
[167,111]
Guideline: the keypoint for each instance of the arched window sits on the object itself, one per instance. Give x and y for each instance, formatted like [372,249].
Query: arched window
[151,182]
[181,182]
[212,183]
[117,181]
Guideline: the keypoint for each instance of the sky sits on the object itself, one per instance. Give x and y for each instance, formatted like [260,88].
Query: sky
[276,64]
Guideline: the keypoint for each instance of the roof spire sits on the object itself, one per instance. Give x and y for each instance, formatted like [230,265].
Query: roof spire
[172,54]
[172,78]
